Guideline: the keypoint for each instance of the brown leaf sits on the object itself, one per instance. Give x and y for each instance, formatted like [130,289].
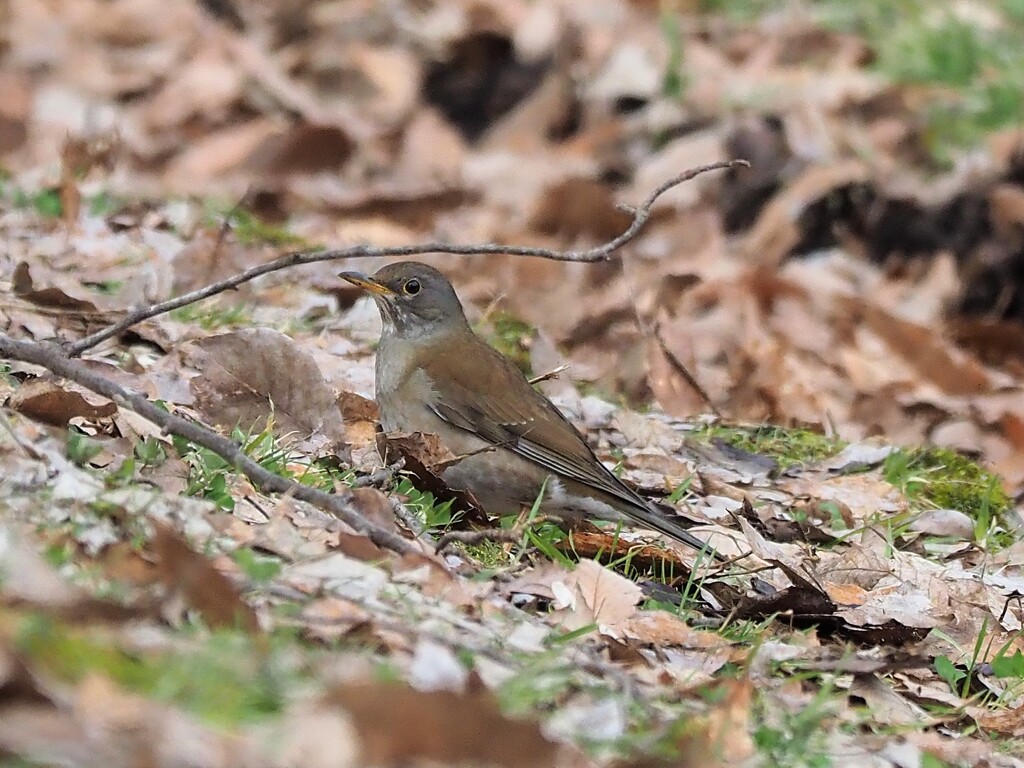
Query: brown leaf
[427,449]
[207,590]
[374,506]
[354,407]
[431,148]
[1006,722]
[995,342]
[54,404]
[209,256]
[598,544]
[360,547]
[927,352]
[425,457]
[219,152]
[329,618]
[579,207]
[49,295]
[661,629]
[15,109]
[78,157]
[722,737]
[360,417]
[777,229]
[1006,209]
[250,375]
[302,149]
[397,725]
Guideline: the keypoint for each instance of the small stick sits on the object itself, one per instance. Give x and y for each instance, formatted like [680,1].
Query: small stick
[603,252]
[678,367]
[340,505]
[409,520]
[503,535]
[552,374]
[380,477]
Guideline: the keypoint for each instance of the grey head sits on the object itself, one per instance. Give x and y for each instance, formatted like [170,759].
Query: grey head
[415,300]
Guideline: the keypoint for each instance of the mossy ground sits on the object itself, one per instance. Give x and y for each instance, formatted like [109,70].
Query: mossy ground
[789,447]
[930,477]
[945,479]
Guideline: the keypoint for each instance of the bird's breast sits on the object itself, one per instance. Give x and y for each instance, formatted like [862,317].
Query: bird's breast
[403,390]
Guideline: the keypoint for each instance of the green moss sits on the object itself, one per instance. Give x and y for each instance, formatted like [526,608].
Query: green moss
[510,336]
[212,316]
[225,679]
[789,447]
[250,230]
[489,555]
[46,202]
[104,204]
[947,480]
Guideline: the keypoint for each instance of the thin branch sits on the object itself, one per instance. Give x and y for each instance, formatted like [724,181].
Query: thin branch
[511,535]
[26,448]
[640,214]
[408,518]
[379,478]
[552,374]
[340,505]
[678,367]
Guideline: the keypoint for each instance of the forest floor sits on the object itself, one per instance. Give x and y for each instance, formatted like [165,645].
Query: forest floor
[815,360]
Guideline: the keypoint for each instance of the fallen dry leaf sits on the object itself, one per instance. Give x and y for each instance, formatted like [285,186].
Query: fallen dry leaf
[208,591]
[59,294]
[247,377]
[396,724]
[46,401]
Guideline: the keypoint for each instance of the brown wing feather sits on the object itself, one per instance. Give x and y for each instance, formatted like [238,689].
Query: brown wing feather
[517,417]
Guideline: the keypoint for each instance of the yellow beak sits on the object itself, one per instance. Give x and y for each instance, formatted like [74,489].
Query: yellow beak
[368,284]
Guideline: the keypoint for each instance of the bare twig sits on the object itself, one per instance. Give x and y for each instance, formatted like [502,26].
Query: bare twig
[678,367]
[380,477]
[407,518]
[27,449]
[640,214]
[552,374]
[438,467]
[53,359]
[507,535]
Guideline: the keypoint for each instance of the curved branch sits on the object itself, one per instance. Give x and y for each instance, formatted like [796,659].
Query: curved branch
[340,505]
[599,253]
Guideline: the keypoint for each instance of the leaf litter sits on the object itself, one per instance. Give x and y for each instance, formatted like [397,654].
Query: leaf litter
[872,614]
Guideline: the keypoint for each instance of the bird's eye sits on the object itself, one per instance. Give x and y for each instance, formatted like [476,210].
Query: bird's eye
[411,287]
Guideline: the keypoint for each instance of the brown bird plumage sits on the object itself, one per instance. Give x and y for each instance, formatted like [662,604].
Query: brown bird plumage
[435,375]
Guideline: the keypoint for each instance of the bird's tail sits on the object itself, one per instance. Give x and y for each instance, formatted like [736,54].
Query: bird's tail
[656,521]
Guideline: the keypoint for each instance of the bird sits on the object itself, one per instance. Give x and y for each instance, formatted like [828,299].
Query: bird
[435,375]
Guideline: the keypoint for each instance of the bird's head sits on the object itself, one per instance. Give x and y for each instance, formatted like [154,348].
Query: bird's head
[414,299]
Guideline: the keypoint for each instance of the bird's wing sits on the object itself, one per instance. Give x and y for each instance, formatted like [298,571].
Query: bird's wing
[512,414]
